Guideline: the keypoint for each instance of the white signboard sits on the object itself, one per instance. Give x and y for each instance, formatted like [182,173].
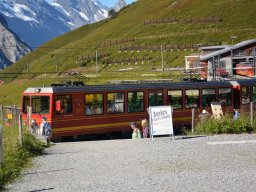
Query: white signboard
[160,120]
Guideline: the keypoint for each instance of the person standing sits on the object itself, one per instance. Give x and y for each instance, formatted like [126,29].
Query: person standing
[34,126]
[236,114]
[145,128]
[136,134]
[46,129]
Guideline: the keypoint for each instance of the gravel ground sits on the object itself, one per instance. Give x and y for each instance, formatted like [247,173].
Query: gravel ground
[184,164]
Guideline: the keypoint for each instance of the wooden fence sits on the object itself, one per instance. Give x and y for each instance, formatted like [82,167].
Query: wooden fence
[133,47]
[9,116]
[115,42]
[183,21]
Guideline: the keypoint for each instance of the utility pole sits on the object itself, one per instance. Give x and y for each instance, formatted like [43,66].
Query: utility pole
[232,63]
[199,63]
[57,63]
[254,62]
[27,68]
[20,130]
[213,68]
[96,58]
[162,57]
[232,39]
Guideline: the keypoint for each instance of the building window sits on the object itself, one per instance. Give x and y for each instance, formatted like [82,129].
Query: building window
[192,98]
[175,99]
[225,96]
[93,104]
[155,99]
[40,104]
[26,103]
[209,95]
[246,93]
[65,104]
[135,102]
[115,102]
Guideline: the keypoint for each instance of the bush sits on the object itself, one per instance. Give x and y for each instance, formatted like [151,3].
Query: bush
[16,157]
[225,125]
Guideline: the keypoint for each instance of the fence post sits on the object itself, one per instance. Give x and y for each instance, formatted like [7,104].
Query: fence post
[29,112]
[193,120]
[20,130]
[1,148]
[15,118]
[1,140]
[251,113]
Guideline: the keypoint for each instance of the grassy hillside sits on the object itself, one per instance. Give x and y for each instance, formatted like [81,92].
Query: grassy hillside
[109,38]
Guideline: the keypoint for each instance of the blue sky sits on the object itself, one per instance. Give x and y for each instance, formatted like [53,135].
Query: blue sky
[109,3]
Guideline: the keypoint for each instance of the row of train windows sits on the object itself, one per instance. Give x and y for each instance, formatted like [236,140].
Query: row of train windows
[116,102]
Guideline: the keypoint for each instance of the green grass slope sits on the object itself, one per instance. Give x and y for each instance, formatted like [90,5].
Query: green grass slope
[76,51]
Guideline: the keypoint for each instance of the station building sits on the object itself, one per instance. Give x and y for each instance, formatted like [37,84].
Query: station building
[227,61]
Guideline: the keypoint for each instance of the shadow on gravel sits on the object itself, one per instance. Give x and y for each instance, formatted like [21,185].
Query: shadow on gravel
[57,170]
[69,152]
[188,137]
[46,189]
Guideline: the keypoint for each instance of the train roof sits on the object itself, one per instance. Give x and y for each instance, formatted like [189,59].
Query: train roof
[116,87]
[246,82]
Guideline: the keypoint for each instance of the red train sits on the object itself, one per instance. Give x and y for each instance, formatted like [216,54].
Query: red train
[93,109]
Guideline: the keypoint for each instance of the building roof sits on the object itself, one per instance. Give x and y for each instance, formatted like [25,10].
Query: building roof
[227,49]
[214,47]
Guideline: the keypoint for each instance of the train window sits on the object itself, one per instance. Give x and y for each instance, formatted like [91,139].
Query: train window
[175,99]
[115,102]
[25,104]
[192,98]
[254,94]
[246,93]
[40,104]
[225,96]
[65,103]
[209,95]
[155,99]
[93,104]
[135,102]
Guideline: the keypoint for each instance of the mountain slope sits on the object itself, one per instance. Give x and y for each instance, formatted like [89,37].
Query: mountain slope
[81,12]
[36,22]
[11,47]
[119,5]
[78,49]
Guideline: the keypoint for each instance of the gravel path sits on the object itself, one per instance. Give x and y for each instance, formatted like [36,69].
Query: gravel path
[183,164]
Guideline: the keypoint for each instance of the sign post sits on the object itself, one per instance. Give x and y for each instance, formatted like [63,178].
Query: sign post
[161,121]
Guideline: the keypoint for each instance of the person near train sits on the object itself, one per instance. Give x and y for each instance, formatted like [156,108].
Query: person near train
[34,126]
[46,129]
[236,114]
[145,128]
[136,134]
[204,115]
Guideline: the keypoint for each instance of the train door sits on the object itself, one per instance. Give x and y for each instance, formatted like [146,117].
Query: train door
[236,97]
[155,98]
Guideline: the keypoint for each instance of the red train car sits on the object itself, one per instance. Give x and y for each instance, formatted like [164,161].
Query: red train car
[94,109]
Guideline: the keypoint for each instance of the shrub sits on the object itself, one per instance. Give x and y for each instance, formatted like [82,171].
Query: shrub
[16,156]
[225,125]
